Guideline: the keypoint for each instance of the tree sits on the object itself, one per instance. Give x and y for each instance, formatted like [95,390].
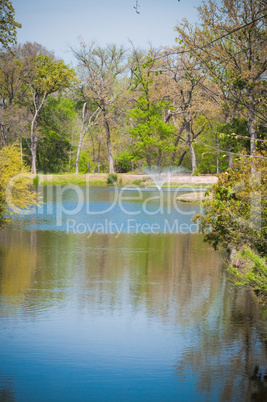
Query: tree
[57,125]
[43,76]
[236,216]
[235,219]
[183,84]
[230,46]
[103,70]
[89,116]
[151,132]
[20,193]
[153,136]
[8,25]
[12,118]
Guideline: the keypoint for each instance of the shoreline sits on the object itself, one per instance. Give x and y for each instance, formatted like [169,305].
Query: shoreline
[142,180]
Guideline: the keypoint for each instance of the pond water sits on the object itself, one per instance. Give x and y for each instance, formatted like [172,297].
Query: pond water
[122,313]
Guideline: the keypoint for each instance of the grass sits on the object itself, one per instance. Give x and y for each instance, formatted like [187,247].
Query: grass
[186,185]
[101,180]
[78,181]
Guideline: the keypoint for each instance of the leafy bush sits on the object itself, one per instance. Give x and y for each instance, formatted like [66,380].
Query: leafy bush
[20,194]
[197,172]
[84,162]
[236,216]
[249,269]
[35,181]
[124,162]
[112,179]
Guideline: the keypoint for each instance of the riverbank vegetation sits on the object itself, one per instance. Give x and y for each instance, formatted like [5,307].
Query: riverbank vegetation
[199,105]
[16,193]
[236,220]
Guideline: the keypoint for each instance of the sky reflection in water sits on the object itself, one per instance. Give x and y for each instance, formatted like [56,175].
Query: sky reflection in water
[129,317]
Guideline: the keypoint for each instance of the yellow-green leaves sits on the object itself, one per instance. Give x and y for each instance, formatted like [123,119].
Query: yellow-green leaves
[8,25]
[51,76]
[15,191]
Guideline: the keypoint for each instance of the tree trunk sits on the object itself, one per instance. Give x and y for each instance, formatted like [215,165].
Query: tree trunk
[177,139]
[110,157]
[191,148]
[98,156]
[4,137]
[159,160]
[217,155]
[21,154]
[82,134]
[182,157]
[33,152]
[70,153]
[78,156]
[193,157]
[148,160]
[94,156]
[33,133]
[33,144]
[253,134]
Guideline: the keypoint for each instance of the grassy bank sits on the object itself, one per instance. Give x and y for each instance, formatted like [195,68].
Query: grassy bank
[179,181]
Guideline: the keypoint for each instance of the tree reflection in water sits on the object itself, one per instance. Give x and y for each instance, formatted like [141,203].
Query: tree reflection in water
[230,356]
[175,281]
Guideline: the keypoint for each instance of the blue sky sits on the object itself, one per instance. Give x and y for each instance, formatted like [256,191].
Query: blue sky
[56,24]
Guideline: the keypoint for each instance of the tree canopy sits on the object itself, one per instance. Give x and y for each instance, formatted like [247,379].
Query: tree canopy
[8,24]
[199,104]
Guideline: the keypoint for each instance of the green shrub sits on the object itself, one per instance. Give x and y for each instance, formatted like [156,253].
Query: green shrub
[22,196]
[197,172]
[249,269]
[112,179]
[84,161]
[236,214]
[124,162]
[35,181]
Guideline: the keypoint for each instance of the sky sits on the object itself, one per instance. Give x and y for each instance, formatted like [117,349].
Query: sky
[58,24]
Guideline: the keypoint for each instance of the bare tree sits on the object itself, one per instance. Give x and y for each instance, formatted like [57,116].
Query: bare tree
[102,70]
[89,118]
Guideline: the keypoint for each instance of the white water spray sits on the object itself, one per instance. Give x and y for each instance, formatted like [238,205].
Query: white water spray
[161,177]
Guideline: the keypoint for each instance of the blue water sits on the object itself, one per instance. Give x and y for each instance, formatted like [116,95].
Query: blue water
[79,209]
[108,316]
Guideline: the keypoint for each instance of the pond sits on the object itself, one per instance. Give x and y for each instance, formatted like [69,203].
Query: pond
[125,311]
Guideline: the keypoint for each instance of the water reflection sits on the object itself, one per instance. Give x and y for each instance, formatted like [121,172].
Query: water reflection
[89,210]
[124,318]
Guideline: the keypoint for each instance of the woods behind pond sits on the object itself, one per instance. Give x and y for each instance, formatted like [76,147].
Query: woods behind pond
[199,105]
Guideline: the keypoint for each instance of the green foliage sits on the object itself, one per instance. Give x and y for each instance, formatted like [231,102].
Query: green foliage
[57,124]
[234,136]
[124,162]
[197,172]
[153,136]
[249,269]
[112,179]
[35,181]
[15,191]
[139,182]
[50,76]
[236,219]
[236,215]
[8,25]
[85,162]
